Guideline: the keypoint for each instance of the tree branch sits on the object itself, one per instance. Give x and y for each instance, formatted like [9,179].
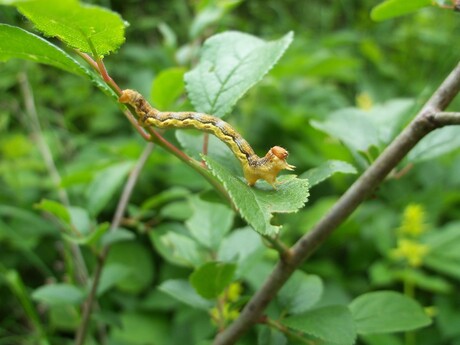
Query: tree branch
[446,118]
[421,125]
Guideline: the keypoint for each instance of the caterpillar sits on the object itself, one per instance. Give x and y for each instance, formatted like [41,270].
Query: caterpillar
[254,167]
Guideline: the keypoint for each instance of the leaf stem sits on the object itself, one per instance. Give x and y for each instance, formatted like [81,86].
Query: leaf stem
[420,126]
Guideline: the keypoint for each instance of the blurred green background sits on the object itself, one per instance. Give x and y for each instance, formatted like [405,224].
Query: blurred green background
[339,58]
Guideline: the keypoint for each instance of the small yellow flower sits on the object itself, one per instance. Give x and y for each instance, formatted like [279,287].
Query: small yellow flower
[227,313]
[413,223]
[234,292]
[364,101]
[411,251]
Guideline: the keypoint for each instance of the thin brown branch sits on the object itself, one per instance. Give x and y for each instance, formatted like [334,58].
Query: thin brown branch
[356,194]
[120,210]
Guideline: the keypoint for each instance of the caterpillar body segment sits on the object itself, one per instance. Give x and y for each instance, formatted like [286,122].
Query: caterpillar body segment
[254,167]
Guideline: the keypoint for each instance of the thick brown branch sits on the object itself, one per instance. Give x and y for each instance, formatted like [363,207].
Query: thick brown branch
[371,178]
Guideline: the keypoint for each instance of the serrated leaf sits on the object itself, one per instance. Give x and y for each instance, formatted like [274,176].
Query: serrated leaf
[105,184]
[167,86]
[257,204]
[182,291]
[437,143]
[58,294]
[16,43]
[209,222]
[301,292]
[394,8]
[210,279]
[326,170]
[332,324]
[387,312]
[230,64]
[80,26]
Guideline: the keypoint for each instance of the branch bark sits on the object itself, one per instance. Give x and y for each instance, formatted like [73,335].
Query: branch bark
[425,122]
[447,118]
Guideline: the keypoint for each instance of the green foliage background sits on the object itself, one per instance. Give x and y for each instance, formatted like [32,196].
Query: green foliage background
[339,59]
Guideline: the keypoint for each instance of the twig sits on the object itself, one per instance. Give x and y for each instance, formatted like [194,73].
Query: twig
[446,118]
[120,210]
[38,138]
[355,195]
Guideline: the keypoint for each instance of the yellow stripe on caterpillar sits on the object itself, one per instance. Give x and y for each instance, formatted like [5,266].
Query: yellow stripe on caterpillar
[254,167]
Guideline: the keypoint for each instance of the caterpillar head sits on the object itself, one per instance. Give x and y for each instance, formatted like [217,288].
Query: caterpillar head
[278,156]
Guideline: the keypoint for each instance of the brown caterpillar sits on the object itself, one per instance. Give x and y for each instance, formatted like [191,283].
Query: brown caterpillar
[254,167]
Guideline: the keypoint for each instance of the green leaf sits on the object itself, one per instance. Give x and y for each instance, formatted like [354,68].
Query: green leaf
[111,275]
[301,292]
[211,14]
[393,8]
[387,312]
[440,142]
[171,241]
[55,208]
[138,260]
[256,204]
[58,294]
[16,43]
[269,336]
[245,255]
[141,328]
[78,25]
[210,222]
[167,86]
[210,279]
[230,64]
[326,170]
[332,324]
[352,126]
[182,291]
[117,235]
[360,130]
[90,239]
[444,254]
[164,197]
[105,184]
[80,219]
